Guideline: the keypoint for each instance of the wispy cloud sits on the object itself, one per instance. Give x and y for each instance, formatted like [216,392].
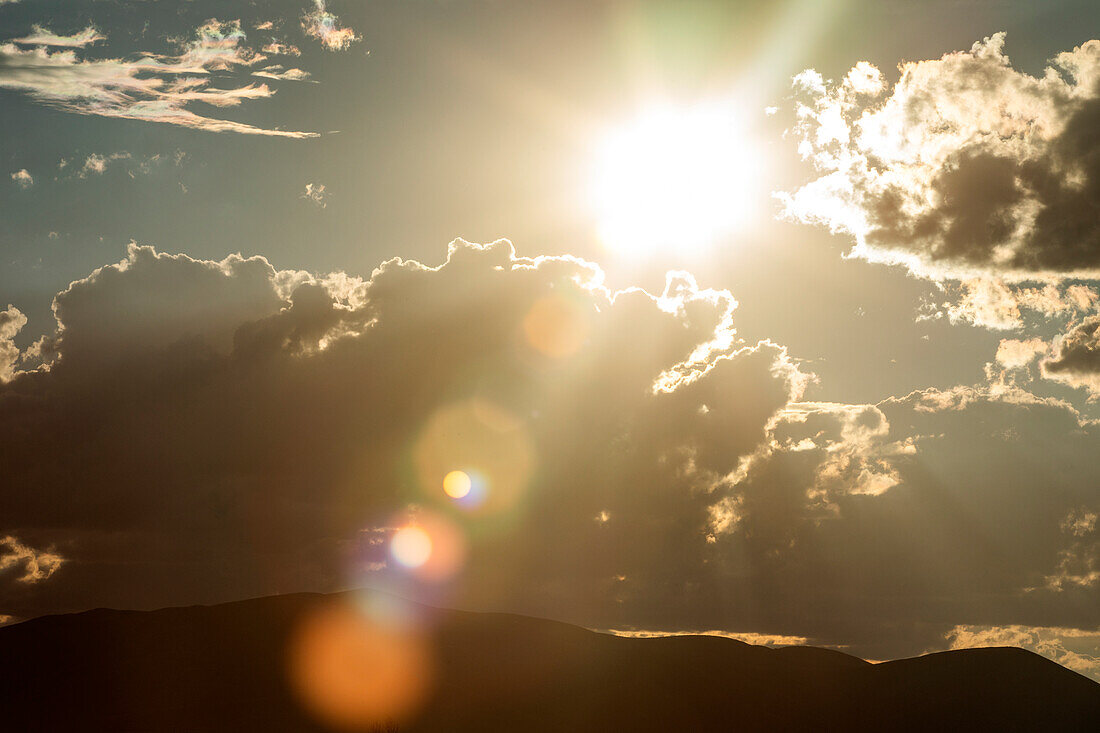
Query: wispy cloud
[44,37]
[315,192]
[151,87]
[38,565]
[277,71]
[278,48]
[325,27]
[96,164]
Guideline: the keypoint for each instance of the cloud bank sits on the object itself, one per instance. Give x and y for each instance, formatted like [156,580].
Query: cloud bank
[200,430]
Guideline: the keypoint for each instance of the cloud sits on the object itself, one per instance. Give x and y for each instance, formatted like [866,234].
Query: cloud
[1014,353]
[1075,357]
[148,87]
[993,303]
[44,37]
[37,565]
[11,323]
[22,178]
[315,192]
[1077,649]
[96,164]
[966,168]
[276,71]
[248,417]
[747,637]
[325,27]
[246,430]
[984,498]
[278,48]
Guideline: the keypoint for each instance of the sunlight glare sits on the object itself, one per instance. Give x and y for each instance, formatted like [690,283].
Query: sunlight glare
[411,546]
[457,484]
[672,179]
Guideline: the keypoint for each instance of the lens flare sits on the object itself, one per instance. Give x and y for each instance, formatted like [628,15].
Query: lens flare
[555,327]
[457,484]
[432,548]
[411,546]
[491,446]
[355,672]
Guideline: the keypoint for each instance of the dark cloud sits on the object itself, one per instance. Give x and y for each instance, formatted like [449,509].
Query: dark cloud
[217,429]
[1076,357]
[928,511]
[208,430]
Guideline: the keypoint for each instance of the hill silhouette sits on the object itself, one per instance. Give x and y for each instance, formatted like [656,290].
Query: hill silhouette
[231,667]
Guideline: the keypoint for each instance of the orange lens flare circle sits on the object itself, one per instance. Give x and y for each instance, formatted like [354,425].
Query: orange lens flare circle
[555,327]
[354,673]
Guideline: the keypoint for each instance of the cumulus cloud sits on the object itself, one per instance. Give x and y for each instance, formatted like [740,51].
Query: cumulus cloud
[36,565]
[11,323]
[44,37]
[148,87]
[276,414]
[325,27]
[964,168]
[1014,353]
[22,178]
[1076,357]
[245,430]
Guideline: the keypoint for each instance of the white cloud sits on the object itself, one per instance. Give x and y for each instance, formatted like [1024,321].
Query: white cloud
[277,71]
[325,27]
[149,87]
[44,37]
[23,178]
[277,48]
[96,164]
[1015,353]
[11,323]
[315,192]
[965,169]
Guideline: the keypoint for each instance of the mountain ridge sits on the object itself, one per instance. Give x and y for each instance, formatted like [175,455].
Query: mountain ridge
[230,667]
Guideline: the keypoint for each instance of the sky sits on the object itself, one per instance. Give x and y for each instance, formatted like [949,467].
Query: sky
[770,319]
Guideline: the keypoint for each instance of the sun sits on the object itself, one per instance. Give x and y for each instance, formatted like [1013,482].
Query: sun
[672,179]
